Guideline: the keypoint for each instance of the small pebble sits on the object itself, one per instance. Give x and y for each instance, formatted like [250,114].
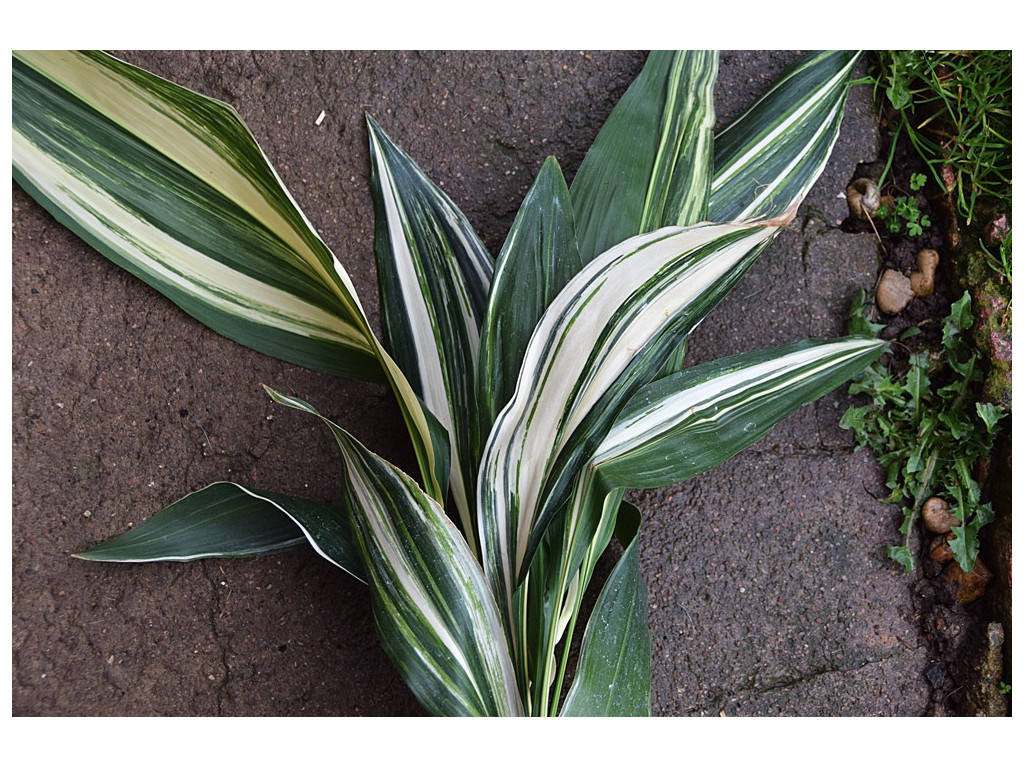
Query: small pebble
[939,550]
[968,587]
[893,292]
[936,516]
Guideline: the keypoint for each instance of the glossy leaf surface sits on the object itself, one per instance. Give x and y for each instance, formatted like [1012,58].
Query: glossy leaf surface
[434,277]
[539,257]
[613,677]
[767,160]
[434,612]
[690,422]
[608,331]
[229,520]
[650,165]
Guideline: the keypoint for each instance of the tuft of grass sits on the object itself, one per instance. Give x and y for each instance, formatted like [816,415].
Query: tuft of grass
[956,109]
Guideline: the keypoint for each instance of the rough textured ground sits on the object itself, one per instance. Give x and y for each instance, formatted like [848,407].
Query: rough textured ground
[770,591]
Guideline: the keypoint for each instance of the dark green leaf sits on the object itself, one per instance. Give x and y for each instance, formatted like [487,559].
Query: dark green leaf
[171,186]
[434,278]
[990,414]
[902,556]
[228,520]
[917,384]
[958,321]
[607,333]
[767,161]
[434,613]
[650,165]
[688,423]
[613,678]
[965,546]
[539,257]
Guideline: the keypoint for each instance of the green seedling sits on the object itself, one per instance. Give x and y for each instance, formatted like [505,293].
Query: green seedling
[904,215]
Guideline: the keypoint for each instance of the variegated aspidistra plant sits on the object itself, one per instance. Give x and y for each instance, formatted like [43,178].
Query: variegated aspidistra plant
[537,387]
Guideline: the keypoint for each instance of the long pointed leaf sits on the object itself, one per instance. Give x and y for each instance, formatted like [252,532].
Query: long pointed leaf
[690,422]
[539,257]
[435,615]
[228,520]
[605,334]
[650,165]
[434,278]
[768,159]
[172,186]
[613,678]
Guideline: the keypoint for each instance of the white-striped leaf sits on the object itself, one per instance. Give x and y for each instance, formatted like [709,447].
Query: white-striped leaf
[538,258]
[613,677]
[604,336]
[172,186]
[434,612]
[228,520]
[650,165]
[549,600]
[434,278]
[768,160]
[690,422]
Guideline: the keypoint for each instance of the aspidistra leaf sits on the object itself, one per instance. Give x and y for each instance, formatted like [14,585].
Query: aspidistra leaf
[604,336]
[434,612]
[692,421]
[434,276]
[613,677]
[538,258]
[767,160]
[173,187]
[229,520]
[650,165]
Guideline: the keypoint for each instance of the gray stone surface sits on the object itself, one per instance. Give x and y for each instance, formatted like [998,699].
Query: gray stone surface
[770,591]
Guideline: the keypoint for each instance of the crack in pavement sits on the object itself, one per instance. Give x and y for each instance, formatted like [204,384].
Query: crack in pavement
[720,701]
